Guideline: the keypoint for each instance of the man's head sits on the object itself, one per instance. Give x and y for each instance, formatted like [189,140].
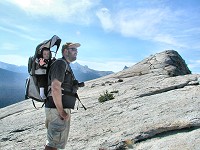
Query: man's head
[69,51]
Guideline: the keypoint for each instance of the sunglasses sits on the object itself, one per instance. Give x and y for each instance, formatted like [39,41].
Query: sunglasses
[73,49]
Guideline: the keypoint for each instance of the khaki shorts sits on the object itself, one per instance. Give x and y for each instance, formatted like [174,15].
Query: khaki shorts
[57,129]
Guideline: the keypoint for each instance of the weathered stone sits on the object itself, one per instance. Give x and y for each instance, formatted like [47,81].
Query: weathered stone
[157,107]
[166,63]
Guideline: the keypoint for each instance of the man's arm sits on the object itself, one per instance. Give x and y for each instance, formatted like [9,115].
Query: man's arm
[57,98]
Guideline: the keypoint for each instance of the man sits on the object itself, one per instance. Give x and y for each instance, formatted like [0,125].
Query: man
[58,106]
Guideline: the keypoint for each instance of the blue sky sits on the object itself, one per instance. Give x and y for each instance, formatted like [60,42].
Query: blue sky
[112,33]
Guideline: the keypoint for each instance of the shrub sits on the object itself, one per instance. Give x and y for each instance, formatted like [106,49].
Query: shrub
[105,97]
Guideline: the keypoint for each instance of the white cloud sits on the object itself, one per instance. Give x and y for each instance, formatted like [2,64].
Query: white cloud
[114,66]
[105,18]
[14,59]
[9,47]
[161,25]
[62,10]
[18,33]
[168,39]
[134,23]
[140,23]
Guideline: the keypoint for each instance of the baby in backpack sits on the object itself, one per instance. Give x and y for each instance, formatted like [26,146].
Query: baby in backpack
[42,63]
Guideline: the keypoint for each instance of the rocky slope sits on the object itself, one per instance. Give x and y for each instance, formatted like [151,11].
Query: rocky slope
[156,107]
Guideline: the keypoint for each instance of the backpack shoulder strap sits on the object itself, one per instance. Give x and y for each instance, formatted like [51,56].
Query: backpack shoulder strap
[67,65]
[74,94]
[65,92]
[66,68]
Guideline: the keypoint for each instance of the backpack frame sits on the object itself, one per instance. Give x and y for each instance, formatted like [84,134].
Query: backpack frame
[31,85]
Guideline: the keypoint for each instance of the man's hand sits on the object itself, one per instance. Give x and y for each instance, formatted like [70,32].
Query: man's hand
[64,115]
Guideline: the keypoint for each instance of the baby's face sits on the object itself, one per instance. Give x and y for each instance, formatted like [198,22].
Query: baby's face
[46,54]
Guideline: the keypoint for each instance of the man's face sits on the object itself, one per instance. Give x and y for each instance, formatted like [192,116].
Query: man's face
[72,53]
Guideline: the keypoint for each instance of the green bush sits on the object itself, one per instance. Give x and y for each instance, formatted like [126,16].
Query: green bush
[106,97]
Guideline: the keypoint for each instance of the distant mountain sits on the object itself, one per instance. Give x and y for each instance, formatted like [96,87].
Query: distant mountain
[13,68]
[12,87]
[12,80]
[125,67]
[83,73]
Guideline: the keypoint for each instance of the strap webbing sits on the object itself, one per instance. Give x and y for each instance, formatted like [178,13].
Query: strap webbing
[75,95]
[35,105]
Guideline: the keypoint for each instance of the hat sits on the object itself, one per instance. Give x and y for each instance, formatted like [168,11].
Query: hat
[67,45]
[45,48]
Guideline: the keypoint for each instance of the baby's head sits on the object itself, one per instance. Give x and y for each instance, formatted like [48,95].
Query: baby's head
[45,53]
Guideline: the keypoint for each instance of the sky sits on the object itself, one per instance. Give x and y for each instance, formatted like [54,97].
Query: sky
[112,33]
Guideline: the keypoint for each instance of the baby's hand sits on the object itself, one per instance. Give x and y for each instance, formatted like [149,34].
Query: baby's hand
[41,61]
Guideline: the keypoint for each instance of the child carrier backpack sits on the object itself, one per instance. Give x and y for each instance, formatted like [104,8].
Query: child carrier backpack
[32,85]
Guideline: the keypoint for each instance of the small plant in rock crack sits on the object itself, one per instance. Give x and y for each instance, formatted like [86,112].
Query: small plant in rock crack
[106,97]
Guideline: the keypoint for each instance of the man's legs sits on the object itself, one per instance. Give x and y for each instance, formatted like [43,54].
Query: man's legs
[57,129]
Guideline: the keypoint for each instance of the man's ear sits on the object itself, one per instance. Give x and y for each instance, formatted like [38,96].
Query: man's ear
[66,51]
